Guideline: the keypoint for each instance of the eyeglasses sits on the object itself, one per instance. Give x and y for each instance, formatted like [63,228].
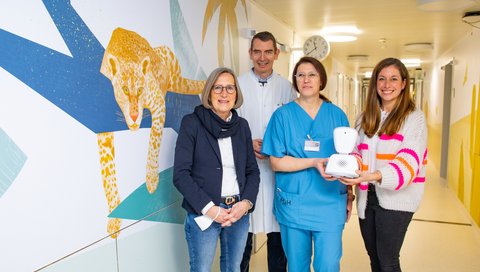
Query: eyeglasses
[218,89]
[302,76]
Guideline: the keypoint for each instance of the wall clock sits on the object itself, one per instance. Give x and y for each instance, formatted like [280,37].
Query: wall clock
[317,47]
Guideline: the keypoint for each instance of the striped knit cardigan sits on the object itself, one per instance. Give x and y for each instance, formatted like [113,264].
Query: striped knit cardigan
[402,159]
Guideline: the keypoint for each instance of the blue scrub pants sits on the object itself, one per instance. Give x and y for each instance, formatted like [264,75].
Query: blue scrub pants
[327,248]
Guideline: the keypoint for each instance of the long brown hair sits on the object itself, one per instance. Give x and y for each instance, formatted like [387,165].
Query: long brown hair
[370,118]
[320,70]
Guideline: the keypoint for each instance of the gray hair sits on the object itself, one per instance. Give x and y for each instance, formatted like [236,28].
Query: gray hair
[212,78]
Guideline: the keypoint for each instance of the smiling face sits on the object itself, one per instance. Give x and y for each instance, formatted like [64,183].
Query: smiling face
[223,102]
[389,86]
[308,80]
[263,55]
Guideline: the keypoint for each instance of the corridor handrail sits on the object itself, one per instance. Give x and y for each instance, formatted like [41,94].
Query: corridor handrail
[103,238]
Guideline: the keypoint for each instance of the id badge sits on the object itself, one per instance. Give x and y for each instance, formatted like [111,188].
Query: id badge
[311,145]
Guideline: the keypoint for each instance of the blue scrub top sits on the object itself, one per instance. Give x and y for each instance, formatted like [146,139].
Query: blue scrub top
[304,199]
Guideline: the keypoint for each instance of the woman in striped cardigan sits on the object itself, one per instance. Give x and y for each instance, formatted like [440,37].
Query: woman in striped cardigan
[392,151]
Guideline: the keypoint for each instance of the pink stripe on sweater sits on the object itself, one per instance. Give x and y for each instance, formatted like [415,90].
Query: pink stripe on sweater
[362,147]
[357,155]
[424,162]
[419,180]
[363,187]
[396,136]
[411,152]
[401,180]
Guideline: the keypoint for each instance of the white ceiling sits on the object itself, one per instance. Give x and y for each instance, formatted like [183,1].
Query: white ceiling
[398,21]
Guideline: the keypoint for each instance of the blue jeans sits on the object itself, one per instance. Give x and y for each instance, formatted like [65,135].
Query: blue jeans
[383,232]
[202,244]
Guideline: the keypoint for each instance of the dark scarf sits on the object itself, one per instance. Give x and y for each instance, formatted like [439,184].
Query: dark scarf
[218,127]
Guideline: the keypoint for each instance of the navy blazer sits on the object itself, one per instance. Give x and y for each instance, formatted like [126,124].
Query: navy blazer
[197,170]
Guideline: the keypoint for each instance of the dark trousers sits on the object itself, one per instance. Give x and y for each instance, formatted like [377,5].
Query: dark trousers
[277,261]
[383,232]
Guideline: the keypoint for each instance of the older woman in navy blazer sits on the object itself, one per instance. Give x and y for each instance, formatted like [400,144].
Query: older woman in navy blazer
[216,172]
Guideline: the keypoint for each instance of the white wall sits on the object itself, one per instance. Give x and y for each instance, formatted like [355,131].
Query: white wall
[56,204]
[466,72]
[464,55]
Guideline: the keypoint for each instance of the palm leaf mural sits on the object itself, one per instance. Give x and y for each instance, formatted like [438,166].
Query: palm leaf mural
[227,21]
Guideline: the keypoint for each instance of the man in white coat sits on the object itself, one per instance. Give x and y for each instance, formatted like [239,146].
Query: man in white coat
[263,92]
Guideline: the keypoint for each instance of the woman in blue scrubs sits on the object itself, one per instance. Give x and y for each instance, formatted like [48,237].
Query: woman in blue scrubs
[309,208]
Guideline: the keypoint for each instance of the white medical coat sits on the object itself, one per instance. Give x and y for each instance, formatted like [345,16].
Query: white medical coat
[258,106]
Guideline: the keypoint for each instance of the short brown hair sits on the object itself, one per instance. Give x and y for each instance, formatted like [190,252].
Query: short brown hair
[320,70]
[212,78]
[264,36]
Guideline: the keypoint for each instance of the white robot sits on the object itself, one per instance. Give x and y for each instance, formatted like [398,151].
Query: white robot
[343,164]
